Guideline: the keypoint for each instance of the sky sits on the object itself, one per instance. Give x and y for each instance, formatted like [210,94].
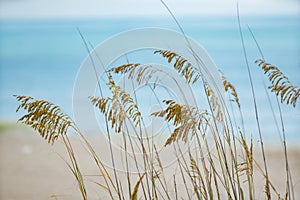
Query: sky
[20,9]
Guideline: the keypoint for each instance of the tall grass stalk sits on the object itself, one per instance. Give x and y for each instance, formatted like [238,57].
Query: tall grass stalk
[267,187]
[289,189]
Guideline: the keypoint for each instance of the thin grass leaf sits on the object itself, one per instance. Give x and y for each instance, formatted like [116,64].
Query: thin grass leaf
[134,195]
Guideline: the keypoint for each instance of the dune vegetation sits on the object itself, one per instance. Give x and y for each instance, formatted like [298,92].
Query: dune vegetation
[225,171]
[214,156]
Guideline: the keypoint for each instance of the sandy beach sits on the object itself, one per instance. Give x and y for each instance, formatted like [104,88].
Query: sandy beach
[30,168]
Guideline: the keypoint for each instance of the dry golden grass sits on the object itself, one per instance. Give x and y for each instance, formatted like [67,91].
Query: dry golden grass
[216,168]
[280,83]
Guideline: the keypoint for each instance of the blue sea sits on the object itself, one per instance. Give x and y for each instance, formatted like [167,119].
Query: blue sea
[41,58]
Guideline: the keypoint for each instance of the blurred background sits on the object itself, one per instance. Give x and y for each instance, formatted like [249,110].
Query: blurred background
[41,52]
[41,49]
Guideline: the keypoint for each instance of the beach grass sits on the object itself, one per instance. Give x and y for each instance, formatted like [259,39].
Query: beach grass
[214,158]
[213,155]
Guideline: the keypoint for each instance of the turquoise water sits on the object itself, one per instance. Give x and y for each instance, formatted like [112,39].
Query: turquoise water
[42,58]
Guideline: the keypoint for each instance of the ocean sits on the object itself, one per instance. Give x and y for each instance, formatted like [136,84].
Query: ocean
[41,58]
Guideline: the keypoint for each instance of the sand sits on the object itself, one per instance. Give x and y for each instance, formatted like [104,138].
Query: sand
[30,168]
